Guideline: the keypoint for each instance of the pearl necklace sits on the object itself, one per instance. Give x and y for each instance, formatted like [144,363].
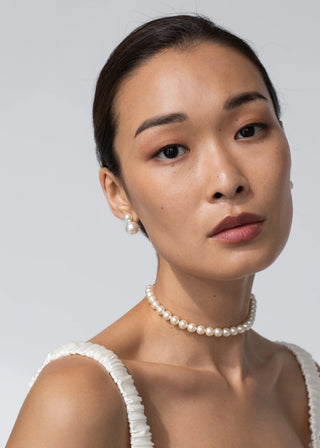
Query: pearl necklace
[201,329]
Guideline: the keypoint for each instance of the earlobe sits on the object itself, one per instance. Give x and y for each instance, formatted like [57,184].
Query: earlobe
[115,193]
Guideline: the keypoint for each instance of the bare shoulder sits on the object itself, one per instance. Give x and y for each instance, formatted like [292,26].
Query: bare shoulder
[73,403]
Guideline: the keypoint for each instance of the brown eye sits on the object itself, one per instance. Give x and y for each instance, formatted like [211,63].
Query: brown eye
[250,131]
[171,152]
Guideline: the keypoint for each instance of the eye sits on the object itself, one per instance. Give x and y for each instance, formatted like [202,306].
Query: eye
[251,130]
[171,152]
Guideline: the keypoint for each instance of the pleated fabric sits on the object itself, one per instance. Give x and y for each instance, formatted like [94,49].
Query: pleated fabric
[312,380]
[140,435]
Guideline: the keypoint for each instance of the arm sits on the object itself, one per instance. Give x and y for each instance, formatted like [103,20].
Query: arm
[73,404]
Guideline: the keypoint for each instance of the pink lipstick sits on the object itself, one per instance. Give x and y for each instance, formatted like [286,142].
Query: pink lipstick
[237,229]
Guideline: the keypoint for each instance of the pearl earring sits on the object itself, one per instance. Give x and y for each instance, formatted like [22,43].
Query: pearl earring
[291,184]
[131,226]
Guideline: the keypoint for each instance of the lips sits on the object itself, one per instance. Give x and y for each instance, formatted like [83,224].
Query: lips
[231,222]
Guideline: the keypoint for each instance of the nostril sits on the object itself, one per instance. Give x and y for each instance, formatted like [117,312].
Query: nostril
[238,190]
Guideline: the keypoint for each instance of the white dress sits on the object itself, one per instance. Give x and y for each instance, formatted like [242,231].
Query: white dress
[140,435]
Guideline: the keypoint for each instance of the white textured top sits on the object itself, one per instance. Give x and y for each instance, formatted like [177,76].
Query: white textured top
[140,435]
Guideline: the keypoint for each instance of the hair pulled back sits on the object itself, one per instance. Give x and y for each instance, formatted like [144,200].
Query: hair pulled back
[180,31]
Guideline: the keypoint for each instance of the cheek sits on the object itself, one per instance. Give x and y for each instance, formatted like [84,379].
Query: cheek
[271,172]
[275,188]
[159,200]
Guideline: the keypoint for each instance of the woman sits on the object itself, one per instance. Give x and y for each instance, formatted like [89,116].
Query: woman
[192,151]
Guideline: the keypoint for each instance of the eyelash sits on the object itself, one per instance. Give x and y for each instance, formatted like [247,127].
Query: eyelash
[172,145]
[248,126]
[251,125]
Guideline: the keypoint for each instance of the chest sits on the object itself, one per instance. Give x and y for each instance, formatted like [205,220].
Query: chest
[194,409]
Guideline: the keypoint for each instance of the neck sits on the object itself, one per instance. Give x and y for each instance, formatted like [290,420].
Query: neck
[207,302]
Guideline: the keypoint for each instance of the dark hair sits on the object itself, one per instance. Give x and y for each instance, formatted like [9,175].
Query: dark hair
[179,31]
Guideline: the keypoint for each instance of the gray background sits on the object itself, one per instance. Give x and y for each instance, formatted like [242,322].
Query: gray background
[67,268]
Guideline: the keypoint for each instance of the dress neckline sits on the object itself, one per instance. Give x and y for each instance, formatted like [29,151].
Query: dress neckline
[140,434]
[311,376]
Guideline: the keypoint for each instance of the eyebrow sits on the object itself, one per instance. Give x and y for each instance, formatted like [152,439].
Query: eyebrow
[179,117]
[160,120]
[243,98]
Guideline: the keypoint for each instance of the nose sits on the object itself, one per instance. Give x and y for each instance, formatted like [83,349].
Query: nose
[226,177]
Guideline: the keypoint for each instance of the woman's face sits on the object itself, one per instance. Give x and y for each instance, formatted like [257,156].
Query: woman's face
[225,153]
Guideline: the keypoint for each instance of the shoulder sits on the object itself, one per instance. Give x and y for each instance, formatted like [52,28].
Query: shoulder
[73,403]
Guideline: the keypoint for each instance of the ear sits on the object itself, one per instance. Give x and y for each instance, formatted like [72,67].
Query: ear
[115,194]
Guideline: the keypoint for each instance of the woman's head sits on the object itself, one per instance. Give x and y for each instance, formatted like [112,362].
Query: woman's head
[202,94]
[180,31]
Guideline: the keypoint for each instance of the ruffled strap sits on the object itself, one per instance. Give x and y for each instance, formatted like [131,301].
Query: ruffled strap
[140,435]
[312,380]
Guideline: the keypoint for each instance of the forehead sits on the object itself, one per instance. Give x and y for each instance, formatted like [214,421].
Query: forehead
[194,80]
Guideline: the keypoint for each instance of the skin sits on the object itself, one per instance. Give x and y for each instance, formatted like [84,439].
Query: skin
[242,391]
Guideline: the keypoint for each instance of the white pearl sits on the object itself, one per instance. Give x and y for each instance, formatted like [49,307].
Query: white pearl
[226,332]
[174,320]
[128,217]
[209,331]
[183,324]
[160,309]
[200,329]
[192,328]
[132,228]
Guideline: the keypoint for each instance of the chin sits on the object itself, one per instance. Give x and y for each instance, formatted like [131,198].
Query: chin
[248,262]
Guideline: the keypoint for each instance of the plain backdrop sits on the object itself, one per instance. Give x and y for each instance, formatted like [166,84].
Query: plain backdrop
[67,267]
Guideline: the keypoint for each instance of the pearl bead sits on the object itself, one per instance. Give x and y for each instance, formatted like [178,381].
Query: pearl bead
[183,324]
[132,228]
[166,315]
[201,329]
[160,309]
[226,332]
[233,331]
[209,331]
[192,328]
[174,320]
